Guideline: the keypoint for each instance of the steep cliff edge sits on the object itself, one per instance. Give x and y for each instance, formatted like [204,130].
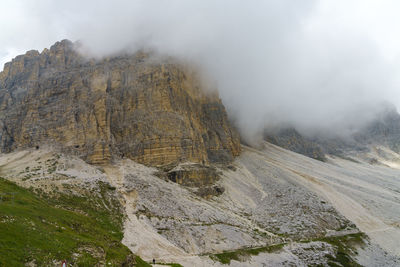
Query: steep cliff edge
[153,111]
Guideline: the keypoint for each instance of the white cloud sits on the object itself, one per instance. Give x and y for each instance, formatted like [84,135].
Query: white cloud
[310,63]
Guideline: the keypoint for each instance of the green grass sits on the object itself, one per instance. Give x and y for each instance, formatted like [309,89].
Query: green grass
[141,263]
[171,264]
[226,257]
[344,249]
[43,228]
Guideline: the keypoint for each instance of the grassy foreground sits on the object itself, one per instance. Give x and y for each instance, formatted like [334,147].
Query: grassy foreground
[83,230]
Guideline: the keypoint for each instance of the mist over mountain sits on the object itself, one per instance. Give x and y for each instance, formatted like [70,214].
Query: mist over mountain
[383,129]
[138,107]
[200,133]
[316,66]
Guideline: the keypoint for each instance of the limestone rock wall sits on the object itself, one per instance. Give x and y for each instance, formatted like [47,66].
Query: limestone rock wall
[153,111]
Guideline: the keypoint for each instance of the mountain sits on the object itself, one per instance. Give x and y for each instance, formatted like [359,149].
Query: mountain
[278,208]
[291,139]
[382,130]
[152,110]
[122,160]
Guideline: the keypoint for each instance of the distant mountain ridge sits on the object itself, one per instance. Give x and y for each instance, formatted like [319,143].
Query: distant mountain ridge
[291,139]
[383,130]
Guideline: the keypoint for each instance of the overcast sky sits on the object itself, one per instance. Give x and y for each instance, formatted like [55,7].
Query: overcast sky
[313,64]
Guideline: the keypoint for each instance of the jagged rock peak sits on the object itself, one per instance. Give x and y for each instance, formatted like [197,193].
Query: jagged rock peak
[153,111]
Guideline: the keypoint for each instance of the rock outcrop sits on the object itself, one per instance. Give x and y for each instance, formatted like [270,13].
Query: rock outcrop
[382,130]
[154,111]
[291,139]
[195,175]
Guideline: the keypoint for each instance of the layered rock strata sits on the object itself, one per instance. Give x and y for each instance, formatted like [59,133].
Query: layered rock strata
[154,111]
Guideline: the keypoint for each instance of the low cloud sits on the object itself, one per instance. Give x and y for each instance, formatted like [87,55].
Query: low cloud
[316,65]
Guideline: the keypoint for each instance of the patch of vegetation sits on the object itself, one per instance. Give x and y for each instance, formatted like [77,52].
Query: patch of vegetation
[52,165]
[52,169]
[260,233]
[226,257]
[84,230]
[141,263]
[345,248]
[27,177]
[37,168]
[171,264]
[86,260]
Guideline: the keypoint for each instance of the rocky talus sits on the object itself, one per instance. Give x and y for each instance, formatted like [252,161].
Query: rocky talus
[154,111]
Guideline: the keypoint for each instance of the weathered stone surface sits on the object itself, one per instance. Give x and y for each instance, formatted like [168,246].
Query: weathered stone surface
[290,139]
[154,111]
[190,174]
[208,192]
[384,130]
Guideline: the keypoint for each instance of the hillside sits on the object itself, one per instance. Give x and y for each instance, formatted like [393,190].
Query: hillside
[277,208]
[44,228]
[107,162]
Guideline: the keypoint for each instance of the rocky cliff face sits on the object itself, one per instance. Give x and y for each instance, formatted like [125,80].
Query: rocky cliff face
[291,139]
[384,130]
[154,112]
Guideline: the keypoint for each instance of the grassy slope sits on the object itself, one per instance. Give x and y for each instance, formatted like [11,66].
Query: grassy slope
[344,249]
[47,229]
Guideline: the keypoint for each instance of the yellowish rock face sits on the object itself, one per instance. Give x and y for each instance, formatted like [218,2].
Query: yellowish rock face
[153,111]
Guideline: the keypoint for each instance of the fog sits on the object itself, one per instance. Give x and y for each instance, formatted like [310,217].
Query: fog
[321,66]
